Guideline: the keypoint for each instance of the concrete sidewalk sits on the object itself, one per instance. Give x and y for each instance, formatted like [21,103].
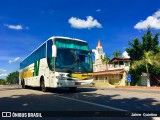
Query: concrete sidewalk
[139,87]
[103,85]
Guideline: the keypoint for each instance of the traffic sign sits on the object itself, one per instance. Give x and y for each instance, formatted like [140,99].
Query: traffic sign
[129,78]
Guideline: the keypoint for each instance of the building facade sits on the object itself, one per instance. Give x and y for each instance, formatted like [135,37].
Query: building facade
[113,71]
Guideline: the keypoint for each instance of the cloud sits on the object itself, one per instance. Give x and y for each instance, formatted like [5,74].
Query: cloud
[151,21]
[26,28]
[3,75]
[14,27]
[83,24]
[50,11]
[14,60]
[98,10]
[3,70]
[157,14]
[125,55]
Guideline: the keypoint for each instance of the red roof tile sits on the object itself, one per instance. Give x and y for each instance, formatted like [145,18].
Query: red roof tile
[109,72]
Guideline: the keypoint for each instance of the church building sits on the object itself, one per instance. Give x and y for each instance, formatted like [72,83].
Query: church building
[113,71]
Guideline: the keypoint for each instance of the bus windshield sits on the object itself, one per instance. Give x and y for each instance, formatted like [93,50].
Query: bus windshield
[73,61]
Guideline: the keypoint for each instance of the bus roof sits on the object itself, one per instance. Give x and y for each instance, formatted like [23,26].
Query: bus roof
[53,37]
[66,38]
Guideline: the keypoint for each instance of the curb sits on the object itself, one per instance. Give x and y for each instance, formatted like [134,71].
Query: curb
[139,87]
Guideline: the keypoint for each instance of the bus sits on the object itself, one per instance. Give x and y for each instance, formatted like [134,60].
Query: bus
[58,62]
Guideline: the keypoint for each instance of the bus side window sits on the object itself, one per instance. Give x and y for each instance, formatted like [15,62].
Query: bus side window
[50,59]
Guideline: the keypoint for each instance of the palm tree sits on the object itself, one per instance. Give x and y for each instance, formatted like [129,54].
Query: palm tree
[105,60]
[148,59]
[117,53]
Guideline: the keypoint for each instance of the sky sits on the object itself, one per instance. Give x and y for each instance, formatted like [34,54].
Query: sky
[25,24]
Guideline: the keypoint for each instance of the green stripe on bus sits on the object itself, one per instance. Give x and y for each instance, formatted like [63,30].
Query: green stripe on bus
[36,68]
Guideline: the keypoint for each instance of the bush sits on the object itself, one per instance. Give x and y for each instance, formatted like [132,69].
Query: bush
[2,82]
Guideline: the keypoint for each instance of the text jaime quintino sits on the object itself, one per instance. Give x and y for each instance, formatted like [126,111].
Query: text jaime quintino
[21,114]
[145,114]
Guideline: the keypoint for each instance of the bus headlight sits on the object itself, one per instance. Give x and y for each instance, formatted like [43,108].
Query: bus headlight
[88,78]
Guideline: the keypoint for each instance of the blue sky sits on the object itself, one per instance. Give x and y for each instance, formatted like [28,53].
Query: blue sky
[25,24]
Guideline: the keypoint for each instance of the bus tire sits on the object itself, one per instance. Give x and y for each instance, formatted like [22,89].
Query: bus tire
[72,89]
[42,85]
[23,84]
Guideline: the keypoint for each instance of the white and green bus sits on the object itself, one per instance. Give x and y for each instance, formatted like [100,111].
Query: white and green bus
[58,62]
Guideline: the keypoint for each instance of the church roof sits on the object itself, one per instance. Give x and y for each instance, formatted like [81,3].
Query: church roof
[99,44]
[119,59]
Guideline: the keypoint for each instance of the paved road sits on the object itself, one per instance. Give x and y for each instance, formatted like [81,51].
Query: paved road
[13,98]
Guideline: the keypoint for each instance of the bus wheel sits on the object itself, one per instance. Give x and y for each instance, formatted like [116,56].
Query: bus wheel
[23,85]
[43,88]
[72,89]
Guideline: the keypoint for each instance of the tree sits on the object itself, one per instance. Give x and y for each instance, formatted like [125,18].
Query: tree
[2,82]
[148,60]
[13,77]
[105,60]
[149,43]
[117,53]
[137,50]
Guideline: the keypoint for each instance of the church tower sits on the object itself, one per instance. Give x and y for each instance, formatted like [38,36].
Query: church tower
[99,55]
[99,52]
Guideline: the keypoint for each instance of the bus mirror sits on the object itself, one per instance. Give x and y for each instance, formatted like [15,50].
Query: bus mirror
[54,51]
[93,50]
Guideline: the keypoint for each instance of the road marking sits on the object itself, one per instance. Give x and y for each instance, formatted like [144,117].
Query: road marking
[91,103]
